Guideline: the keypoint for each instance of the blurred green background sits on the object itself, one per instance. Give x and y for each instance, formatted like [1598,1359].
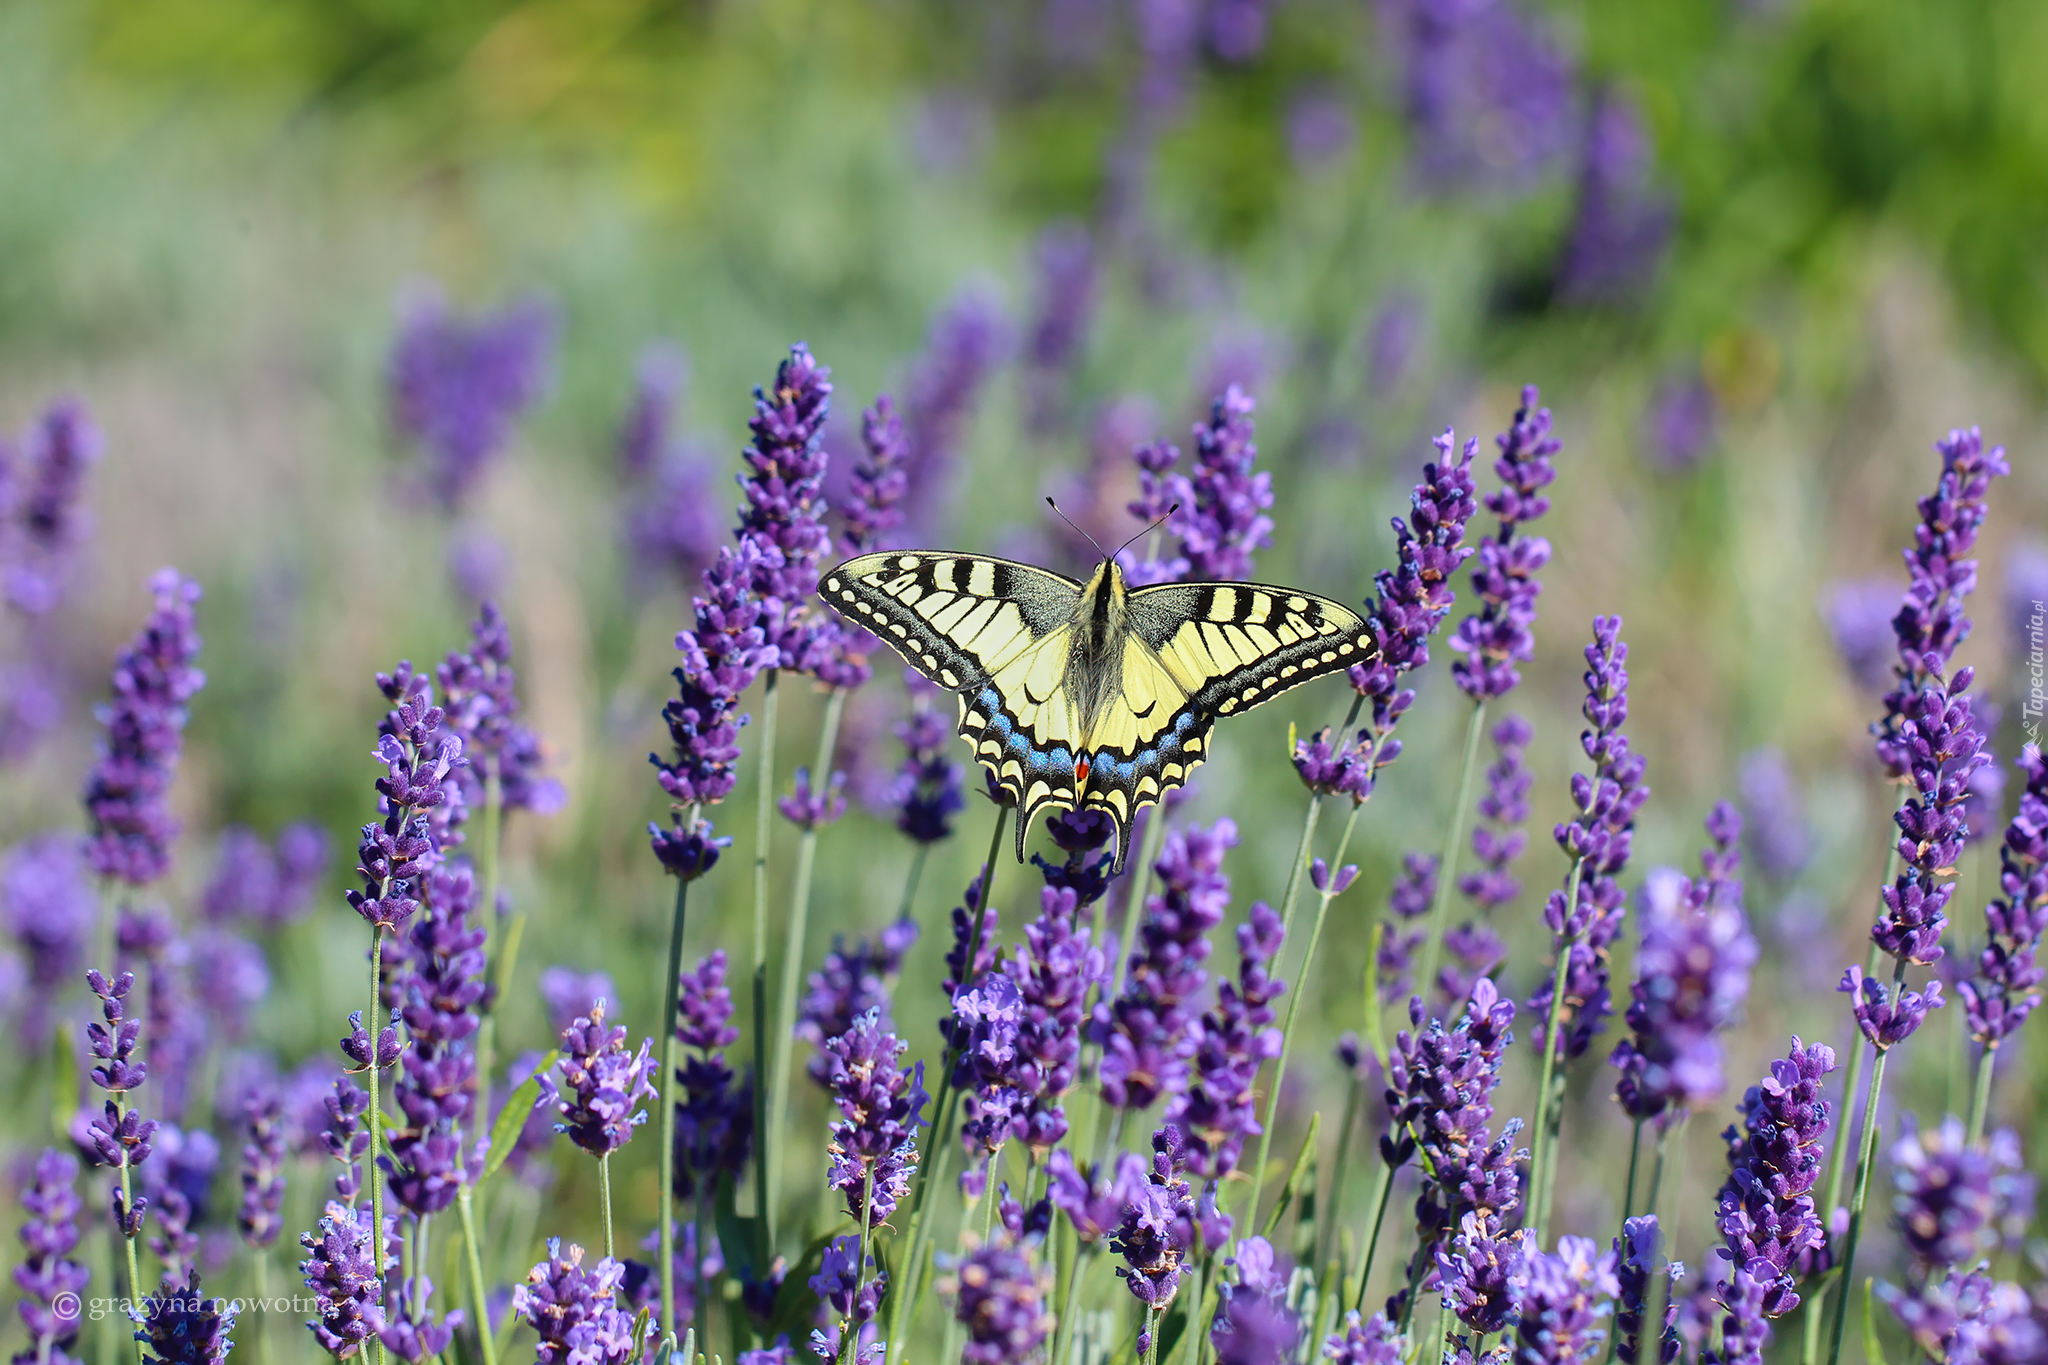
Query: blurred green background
[1829,244]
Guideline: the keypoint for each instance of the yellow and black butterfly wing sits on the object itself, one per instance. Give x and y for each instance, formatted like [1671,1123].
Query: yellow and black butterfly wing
[1196,651]
[997,632]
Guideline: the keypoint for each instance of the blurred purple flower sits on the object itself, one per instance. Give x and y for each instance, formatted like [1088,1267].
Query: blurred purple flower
[569,994]
[1561,1302]
[1237,29]
[479,691]
[1622,222]
[458,384]
[1680,425]
[1692,975]
[1499,635]
[848,984]
[1219,1109]
[261,1216]
[1948,1193]
[1062,307]
[2026,598]
[714,1132]
[1780,840]
[1636,1259]
[999,1293]
[1859,616]
[1368,1341]
[42,515]
[648,426]
[1392,339]
[230,977]
[1486,94]
[50,908]
[927,791]
[1969,1319]
[31,705]
[1321,129]
[261,885]
[966,340]
[49,1280]
[1408,897]
[1473,948]
[1253,1323]
[153,683]
[1145,1033]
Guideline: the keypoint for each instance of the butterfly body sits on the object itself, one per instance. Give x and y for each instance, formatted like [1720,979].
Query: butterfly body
[1094,696]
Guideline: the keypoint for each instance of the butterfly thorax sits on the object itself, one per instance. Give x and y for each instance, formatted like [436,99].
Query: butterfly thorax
[1095,660]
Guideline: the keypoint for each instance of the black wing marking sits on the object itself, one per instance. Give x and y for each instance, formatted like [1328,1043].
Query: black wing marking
[954,618]
[1237,645]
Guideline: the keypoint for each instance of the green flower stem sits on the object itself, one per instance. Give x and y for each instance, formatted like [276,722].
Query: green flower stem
[939,1149]
[1540,1172]
[604,1195]
[1447,861]
[764,828]
[1980,1097]
[1864,1161]
[490,838]
[371,1022]
[1335,1213]
[477,1289]
[793,937]
[672,994]
[1383,1191]
[850,1334]
[1141,883]
[1814,1307]
[419,1259]
[1308,961]
[127,1207]
[917,862]
[1067,1287]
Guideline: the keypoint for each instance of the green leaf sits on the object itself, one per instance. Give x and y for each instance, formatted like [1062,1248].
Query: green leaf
[518,1109]
[736,1235]
[1302,1162]
[1873,1350]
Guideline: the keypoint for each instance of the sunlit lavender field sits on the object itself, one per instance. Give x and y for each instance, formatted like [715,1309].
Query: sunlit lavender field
[464,896]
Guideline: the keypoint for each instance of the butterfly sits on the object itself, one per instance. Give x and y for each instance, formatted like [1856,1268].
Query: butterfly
[1095,696]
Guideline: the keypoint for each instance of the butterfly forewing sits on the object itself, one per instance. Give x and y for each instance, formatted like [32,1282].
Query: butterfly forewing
[1234,645]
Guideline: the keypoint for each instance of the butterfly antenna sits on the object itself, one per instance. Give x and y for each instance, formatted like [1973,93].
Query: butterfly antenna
[1070,521]
[1147,531]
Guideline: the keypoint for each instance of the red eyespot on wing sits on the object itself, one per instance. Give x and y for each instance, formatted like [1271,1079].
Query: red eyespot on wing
[1081,767]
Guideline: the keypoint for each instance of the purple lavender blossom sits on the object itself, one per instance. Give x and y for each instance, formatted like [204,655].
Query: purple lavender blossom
[873,1145]
[153,682]
[577,1312]
[1409,898]
[1622,222]
[1481,1270]
[1635,1263]
[569,994]
[810,806]
[1766,1214]
[1253,1323]
[1410,603]
[999,1294]
[848,984]
[1054,968]
[182,1326]
[1321,130]
[419,756]
[1746,1330]
[263,1160]
[31,705]
[964,343]
[458,384]
[42,502]
[1493,639]
[346,1136]
[2006,986]
[714,1132]
[1392,339]
[1597,840]
[340,1268]
[782,518]
[1222,519]
[175,1185]
[1157,1231]
[50,908]
[1944,748]
[1692,975]
[1473,949]
[1095,1203]
[1888,1015]
[1931,622]
[1219,1109]
[443,991]
[722,654]
[927,792]
[120,1139]
[1560,1307]
[672,524]
[410,1331]
[1145,1033]
[983,1034]
[646,429]
[1969,1319]
[874,511]
[603,1081]
[1948,1192]
[479,692]
[46,1274]
[849,1297]
[264,885]
[1063,305]
[1487,96]
[1780,840]
[1440,1084]
[1367,1341]
[1681,424]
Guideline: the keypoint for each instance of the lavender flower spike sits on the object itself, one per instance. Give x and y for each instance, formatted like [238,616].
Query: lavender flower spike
[47,506]
[1766,1212]
[782,518]
[577,1313]
[604,1081]
[2006,986]
[120,1138]
[418,800]
[154,680]
[49,1280]
[1495,638]
[341,1271]
[874,1143]
[442,985]
[181,1326]
[263,1161]
[1561,1307]
[1000,1294]
[1253,1323]
[1949,1192]
[1944,750]
[1366,1341]
[714,1131]
[1219,1110]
